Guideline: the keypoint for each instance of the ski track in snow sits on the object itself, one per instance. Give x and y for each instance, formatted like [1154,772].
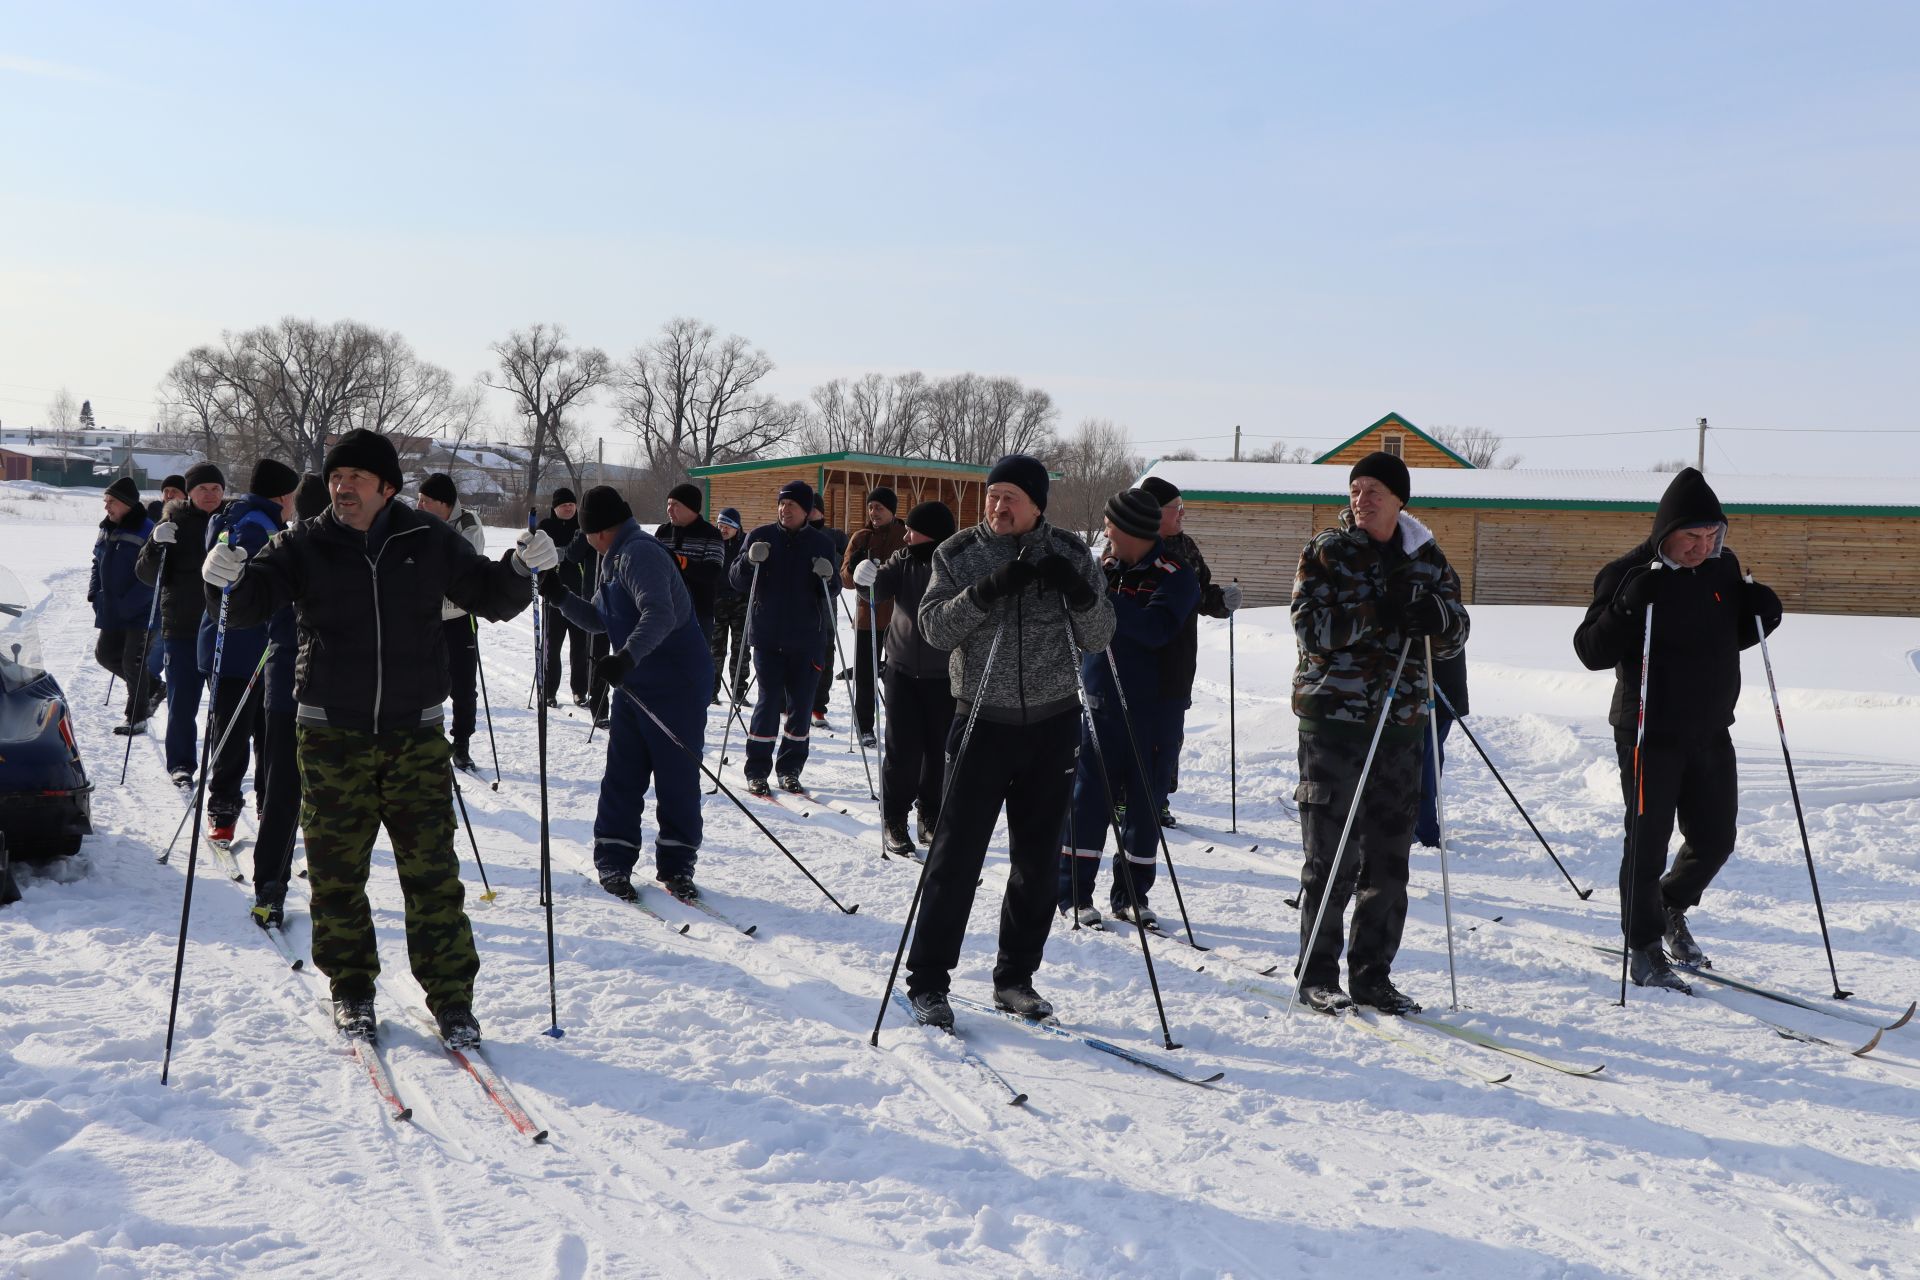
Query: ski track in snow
[715,1108]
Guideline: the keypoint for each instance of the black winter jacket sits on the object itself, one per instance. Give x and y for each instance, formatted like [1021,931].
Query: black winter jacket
[1702,618]
[372,651]
[899,584]
[1183,656]
[183,600]
[701,556]
[572,575]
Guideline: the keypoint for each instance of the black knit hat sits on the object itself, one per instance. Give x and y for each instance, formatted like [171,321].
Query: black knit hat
[271,479]
[439,487]
[1135,511]
[125,490]
[202,473]
[367,451]
[934,519]
[562,496]
[1025,472]
[886,498]
[175,482]
[311,497]
[1164,491]
[603,509]
[688,496]
[798,491]
[1388,470]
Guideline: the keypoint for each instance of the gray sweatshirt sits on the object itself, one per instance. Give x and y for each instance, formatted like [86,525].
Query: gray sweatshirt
[1034,672]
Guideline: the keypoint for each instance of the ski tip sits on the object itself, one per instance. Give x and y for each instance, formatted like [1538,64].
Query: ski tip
[404,1113]
[1903,1019]
[1500,1079]
[298,965]
[750,930]
[554,1032]
[1017,1100]
[540,1138]
[1869,1046]
[684,928]
[1216,1076]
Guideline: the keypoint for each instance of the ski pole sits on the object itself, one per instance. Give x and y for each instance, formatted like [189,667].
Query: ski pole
[140,690]
[879,702]
[1233,740]
[193,844]
[546,841]
[1799,813]
[826,598]
[199,787]
[1153,801]
[695,755]
[934,846]
[487,894]
[739,687]
[1460,720]
[479,664]
[108,701]
[1440,819]
[1639,802]
[1353,811]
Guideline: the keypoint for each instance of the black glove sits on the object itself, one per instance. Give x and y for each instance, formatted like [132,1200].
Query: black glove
[1424,615]
[551,589]
[1009,579]
[614,667]
[1065,577]
[1641,588]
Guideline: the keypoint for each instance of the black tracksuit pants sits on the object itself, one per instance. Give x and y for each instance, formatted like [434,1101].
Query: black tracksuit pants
[1375,861]
[279,811]
[558,631]
[1029,768]
[463,659]
[124,653]
[863,680]
[1696,782]
[224,800]
[913,772]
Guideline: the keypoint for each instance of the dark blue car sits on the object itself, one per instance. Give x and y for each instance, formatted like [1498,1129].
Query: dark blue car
[45,798]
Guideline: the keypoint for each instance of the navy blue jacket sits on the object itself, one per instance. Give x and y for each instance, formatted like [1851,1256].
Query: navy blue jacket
[788,614]
[249,521]
[1152,602]
[121,602]
[647,613]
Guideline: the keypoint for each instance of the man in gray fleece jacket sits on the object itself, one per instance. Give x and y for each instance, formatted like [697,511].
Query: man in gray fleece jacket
[1038,589]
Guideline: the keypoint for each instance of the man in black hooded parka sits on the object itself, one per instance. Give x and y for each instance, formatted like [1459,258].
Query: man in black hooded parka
[1704,614]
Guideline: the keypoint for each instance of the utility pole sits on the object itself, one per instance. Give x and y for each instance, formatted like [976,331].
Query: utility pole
[1700,460]
[1236,442]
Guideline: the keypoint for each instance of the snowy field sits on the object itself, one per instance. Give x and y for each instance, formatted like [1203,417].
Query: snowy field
[716,1110]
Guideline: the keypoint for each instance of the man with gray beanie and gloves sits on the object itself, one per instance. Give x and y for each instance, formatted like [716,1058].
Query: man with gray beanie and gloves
[366,579]
[1031,595]
[1366,597]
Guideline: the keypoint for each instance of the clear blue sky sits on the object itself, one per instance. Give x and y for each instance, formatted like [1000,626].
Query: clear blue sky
[1549,220]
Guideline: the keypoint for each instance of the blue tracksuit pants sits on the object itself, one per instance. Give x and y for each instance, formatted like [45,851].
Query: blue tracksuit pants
[784,703]
[639,754]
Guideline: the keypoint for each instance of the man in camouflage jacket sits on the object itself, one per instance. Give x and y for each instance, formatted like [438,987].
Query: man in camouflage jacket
[1365,594]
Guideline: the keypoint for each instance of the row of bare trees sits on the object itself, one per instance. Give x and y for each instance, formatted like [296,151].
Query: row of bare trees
[963,418]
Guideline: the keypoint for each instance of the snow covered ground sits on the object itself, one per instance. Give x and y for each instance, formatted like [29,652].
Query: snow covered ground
[716,1109]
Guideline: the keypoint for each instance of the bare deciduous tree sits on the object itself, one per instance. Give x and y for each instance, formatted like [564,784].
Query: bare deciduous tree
[692,398]
[977,419]
[871,414]
[1477,445]
[545,377]
[1094,463]
[1281,451]
[60,416]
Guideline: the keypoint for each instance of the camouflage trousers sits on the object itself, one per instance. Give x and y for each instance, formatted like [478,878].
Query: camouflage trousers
[353,782]
[1373,870]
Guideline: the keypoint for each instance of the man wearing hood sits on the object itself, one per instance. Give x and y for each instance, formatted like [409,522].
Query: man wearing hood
[1366,595]
[1704,614]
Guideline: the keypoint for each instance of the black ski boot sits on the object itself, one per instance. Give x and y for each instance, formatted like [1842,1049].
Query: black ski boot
[269,915]
[620,885]
[183,779]
[1680,943]
[867,739]
[354,1018]
[1648,967]
[1166,816]
[894,835]
[1327,999]
[459,1029]
[758,787]
[790,783]
[923,829]
[1381,994]
[462,758]
[681,887]
[1023,1000]
[930,1009]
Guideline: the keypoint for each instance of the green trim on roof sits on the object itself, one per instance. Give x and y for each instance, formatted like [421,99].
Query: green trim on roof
[1400,421]
[1548,504]
[823,460]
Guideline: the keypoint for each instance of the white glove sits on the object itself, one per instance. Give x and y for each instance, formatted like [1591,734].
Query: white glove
[535,551]
[865,572]
[759,552]
[1230,596]
[223,565]
[166,533]
[823,567]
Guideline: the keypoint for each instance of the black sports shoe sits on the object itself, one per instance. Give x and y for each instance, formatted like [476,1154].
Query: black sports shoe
[1328,1000]
[1680,943]
[620,885]
[894,834]
[269,915]
[156,699]
[1166,816]
[930,1009]
[868,740]
[923,828]
[183,779]
[758,787]
[462,758]
[790,782]
[681,887]
[1147,916]
[554,703]
[820,720]
[459,1029]
[354,1018]
[131,728]
[1023,1000]
[1384,996]
[1648,967]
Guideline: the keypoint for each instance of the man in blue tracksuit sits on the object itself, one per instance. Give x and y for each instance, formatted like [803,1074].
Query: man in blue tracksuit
[247,522]
[1153,596]
[658,654]
[788,569]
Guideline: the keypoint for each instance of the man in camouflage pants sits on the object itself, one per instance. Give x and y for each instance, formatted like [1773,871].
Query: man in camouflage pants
[366,579]
[1365,594]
